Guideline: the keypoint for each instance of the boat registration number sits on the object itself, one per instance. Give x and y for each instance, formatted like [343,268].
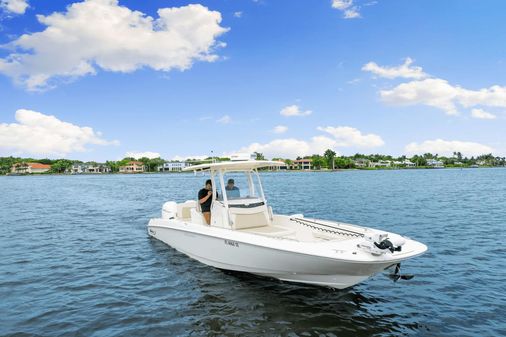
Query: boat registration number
[231,243]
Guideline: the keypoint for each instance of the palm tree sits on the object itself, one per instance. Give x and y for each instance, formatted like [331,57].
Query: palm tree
[329,156]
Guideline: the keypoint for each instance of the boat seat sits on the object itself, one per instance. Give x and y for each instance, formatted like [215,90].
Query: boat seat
[272,231]
[184,209]
[252,220]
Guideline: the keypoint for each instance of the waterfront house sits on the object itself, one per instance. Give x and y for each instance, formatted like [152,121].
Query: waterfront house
[279,168]
[302,164]
[435,163]
[362,162]
[76,168]
[408,163]
[26,168]
[80,168]
[381,163]
[132,167]
[96,168]
[175,166]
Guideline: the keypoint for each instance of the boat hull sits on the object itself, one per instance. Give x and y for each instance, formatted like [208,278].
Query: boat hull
[258,259]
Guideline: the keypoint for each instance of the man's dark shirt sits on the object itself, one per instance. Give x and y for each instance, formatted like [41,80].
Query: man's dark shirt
[206,206]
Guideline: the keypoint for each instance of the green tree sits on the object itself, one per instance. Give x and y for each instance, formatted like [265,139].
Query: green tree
[329,157]
[60,166]
[259,156]
[344,163]
[419,160]
[113,165]
[7,162]
[317,161]
[154,163]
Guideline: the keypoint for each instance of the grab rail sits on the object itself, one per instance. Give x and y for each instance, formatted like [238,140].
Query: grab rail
[334,230]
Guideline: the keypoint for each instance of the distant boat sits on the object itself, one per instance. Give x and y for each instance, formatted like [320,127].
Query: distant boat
[245,235]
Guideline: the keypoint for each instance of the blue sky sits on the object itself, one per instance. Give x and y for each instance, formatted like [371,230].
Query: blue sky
[285,78]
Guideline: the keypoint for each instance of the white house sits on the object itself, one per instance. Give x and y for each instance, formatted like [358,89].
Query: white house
[408,163]
[97,168]
[76,168]
[302,164]
[79,168]
[361,162]
[176,166]
[381,163]
[435,163]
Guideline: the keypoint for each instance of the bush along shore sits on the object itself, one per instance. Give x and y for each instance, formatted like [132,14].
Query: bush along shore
[324,162]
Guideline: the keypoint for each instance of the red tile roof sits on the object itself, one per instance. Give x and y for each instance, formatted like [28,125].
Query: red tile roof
[39,166]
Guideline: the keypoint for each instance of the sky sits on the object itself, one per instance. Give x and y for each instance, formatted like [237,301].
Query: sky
[104,79]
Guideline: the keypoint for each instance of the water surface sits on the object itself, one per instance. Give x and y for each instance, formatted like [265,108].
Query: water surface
[76,259]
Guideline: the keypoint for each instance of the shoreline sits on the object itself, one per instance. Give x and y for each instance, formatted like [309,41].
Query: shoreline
[284,171]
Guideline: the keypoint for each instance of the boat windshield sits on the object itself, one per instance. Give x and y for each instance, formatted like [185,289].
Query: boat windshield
[240,185]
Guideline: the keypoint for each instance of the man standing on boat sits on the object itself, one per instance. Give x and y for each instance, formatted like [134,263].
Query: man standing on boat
[205,200]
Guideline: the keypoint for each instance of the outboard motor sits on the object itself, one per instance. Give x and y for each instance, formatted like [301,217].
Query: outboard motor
[378,243]
[169,210]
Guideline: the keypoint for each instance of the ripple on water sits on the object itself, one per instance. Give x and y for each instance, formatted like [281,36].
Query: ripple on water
[77,261]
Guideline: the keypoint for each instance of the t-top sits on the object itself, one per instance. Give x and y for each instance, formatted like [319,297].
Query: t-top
[206,206]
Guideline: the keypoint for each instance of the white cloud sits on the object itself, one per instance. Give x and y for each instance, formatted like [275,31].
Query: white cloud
[440,94]
[405,70]
[197,157]
[290,147]
[280,129]
[481,114]
[347,136]
[433,92]
[102,34]
[294,110]
[354,81]
[226,119]
[340,136]
[346,6]
[446,148]
[351,13]
[14,6]
[237,14]
[39,134]
[138,155]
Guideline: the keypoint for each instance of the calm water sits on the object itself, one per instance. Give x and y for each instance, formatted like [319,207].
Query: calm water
[76,259]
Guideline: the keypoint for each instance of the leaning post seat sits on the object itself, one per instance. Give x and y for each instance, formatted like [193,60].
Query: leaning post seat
[184,209]
[249,217]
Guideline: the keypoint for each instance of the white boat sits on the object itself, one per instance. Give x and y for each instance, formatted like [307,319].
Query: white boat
[245,235]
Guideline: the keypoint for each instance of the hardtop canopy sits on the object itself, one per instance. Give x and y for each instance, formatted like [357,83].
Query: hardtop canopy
[234,165]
